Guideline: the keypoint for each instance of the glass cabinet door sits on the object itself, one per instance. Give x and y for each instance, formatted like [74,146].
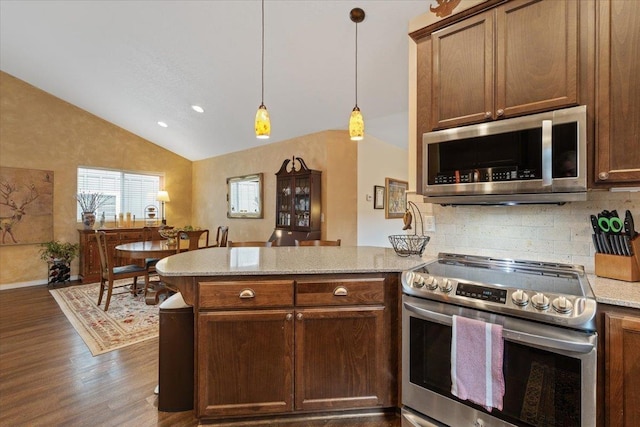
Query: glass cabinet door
[283,207]
[302,202]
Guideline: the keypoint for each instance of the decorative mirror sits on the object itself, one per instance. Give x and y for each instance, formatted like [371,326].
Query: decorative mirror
[244,196]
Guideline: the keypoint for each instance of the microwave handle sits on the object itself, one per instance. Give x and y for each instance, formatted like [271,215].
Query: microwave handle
[511,335]
[547,136]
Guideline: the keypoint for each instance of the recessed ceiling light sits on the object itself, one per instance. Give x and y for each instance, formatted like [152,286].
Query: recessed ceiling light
[197,108]
[163,124]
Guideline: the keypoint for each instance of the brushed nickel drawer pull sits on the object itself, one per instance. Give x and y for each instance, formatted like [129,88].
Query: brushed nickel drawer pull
[289,316]
[247,293]
[299,316]
[340,291]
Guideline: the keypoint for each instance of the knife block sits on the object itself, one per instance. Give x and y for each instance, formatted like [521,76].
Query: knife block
[619,267]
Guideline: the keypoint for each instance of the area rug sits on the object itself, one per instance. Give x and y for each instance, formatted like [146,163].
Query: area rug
[129,319]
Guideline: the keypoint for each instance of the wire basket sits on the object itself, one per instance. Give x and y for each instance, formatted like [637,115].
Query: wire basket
[406,245]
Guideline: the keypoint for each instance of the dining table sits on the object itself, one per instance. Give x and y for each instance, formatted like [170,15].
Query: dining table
[154,249]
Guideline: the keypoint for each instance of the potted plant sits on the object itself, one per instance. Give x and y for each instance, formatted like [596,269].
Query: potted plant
[59,256]
[89,203]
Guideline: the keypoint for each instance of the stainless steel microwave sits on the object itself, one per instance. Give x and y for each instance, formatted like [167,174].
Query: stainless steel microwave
[539,158]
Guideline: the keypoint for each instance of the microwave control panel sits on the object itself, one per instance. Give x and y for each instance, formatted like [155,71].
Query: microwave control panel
[497,174]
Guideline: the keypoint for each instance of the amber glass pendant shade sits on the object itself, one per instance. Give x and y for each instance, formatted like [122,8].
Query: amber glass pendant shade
[263,123]
[356,125]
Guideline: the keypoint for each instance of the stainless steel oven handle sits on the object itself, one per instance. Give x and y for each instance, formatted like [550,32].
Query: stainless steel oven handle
[511,335]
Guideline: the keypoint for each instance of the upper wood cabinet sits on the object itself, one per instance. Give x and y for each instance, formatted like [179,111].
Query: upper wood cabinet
[617,148]
[518,58]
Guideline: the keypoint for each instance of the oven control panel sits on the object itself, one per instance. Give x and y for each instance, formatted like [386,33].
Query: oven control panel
[482,292]
[531,304]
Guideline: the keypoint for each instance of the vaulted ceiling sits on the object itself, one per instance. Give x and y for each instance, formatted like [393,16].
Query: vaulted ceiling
[134,63]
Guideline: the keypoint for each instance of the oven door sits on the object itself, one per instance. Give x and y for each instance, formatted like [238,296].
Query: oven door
[549,372]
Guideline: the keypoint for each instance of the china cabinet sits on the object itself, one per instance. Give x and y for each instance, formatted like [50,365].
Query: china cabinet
[298,206]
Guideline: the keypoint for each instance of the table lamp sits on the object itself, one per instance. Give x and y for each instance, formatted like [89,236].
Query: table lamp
[163,196]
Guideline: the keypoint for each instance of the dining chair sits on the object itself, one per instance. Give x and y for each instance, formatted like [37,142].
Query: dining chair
[194,237]
[318,242]
[248,244]
[221,236]
[150,263]
[109,273]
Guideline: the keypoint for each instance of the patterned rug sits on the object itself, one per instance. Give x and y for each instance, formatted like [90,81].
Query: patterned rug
[128,321]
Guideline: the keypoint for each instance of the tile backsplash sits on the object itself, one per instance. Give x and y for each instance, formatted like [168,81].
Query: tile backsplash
[533,232]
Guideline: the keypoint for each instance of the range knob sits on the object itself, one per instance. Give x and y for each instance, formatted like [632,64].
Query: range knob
[562,305]
[418,282]
[540,301]
[520,298]
[432,283]
[446,285]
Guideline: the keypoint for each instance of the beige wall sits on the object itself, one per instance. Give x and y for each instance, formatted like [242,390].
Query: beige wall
[330,152]
[40,131]
[377,160]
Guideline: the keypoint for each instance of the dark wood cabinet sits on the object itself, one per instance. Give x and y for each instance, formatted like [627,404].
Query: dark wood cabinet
[518,58]
[89,259]
[617,148]
[298,199]
[618,366]
[300,344]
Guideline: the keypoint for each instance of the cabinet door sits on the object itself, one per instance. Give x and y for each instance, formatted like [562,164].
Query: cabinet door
[341,355]
[245,363]
[618,92]
[462,72]
[284,197]
[536,56]
[622,372]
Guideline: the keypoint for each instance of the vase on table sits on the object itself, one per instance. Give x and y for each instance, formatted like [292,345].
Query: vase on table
[88,219]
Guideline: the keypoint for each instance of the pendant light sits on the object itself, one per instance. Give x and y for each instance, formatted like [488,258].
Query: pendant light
[356,121]
[263,123]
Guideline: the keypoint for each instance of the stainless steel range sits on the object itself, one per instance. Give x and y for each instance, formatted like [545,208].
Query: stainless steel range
[546,314]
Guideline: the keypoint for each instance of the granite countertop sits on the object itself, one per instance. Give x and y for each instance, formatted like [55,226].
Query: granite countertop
[245,261]
[615,292]
[344,259]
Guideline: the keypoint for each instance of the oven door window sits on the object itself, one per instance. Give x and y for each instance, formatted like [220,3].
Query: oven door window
[542,388]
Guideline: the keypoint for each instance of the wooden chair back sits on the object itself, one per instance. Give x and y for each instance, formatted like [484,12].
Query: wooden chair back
[318,242]
[109,273]
[222,235]
[194,237]
[106,260]
[248,244]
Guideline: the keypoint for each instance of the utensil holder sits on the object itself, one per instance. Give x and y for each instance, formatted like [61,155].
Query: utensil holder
[620,267]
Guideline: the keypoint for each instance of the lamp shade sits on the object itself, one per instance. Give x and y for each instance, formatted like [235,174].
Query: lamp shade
[263,123]
[163,196]
[356,125]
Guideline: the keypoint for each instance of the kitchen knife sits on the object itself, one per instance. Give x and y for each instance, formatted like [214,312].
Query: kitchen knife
[629,226]
[597,233]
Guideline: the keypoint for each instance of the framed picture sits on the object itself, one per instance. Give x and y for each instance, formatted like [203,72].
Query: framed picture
[378,197]
[396,192]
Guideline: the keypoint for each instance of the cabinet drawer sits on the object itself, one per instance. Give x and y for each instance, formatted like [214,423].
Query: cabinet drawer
[131,236]
[249,294]
[340,292]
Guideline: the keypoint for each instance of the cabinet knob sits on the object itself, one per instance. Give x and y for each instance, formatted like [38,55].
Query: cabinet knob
[500,112]
[289,316]
[603,175]
[247,293]
[487,115]
[340,291]
[299,316]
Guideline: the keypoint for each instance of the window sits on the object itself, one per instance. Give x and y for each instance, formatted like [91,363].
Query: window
[127,191]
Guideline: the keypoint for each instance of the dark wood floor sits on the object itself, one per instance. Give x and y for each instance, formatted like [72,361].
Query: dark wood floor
[48,376]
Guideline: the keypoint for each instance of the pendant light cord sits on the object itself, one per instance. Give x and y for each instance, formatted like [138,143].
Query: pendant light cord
[356,64]
[262,98]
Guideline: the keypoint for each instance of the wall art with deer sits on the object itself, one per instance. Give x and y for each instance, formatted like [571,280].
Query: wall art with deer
[26,206]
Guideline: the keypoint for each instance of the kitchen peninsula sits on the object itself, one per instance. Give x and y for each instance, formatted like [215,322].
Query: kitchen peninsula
[292,330]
